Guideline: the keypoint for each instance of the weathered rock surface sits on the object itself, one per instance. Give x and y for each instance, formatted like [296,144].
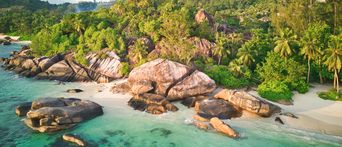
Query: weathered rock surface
[141,87]
[54,114]
[248,102]
[22,109]
[200,125]
[191,101]
[122,88]
[202,16]
[197,83]
[221,127]
[103,67]
[104,70]
[74,139]
[210,108]
[163,73]
[151,103]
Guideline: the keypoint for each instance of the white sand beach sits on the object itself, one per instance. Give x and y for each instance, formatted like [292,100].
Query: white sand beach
[315,114]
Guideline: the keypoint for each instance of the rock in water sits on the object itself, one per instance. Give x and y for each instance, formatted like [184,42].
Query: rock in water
[288,114]
[54,114]
[200,125]
[278,119]
[221,127]
[22,109]
[210,108]
[248,102]
[197,83]
[74,139]
[74,90]
[151,103]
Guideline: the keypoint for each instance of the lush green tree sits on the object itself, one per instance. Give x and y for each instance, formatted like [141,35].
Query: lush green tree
[313,42]
[333,58]
[283,43]
[220,48]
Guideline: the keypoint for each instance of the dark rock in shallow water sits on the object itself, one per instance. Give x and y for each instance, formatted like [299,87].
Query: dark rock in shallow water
[74,90]
[191,101]
[54,114]
[22,109]
[161,132]
[151,103]
[6,43]
[278,119]
[111,133]
[210,108]
[288,114]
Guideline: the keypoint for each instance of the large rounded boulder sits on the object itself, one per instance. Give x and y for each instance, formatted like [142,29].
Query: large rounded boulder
[210,108]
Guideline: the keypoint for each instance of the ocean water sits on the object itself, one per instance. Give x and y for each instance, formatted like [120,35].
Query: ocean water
[120,126]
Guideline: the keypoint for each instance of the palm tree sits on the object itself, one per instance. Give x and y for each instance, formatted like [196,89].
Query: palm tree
[283,43]
[246,54]
[333,58]
[310,50]
[235,66]
[220,47]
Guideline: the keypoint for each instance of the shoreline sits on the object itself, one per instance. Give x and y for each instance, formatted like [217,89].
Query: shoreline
[308,120]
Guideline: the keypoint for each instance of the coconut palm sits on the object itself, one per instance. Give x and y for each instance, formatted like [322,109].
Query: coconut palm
[310,49]
[333,58]
[220,47]
[246,54]
[283,43]
[235,66]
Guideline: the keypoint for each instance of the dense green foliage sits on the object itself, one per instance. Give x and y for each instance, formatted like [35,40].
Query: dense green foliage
[28,17]
[275,91]
[280,44]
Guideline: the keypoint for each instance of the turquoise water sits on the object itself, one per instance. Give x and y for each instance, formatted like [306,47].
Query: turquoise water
[121,126]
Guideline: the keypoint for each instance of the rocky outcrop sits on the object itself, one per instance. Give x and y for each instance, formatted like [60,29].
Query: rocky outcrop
[210,108]
[202,16]
[203,46]
[164,73]
[103,67]
[223,128]
[22,109]
[248,102]
[151,103]
[54,114]
[191,101]
[197,83]
[141,87]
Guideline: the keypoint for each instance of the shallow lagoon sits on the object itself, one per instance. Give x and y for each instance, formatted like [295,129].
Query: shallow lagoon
[122,126]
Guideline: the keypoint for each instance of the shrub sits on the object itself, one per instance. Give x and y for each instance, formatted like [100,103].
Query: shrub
[124,70]
[274,91]
[301,86]
[222,76]
[330,95]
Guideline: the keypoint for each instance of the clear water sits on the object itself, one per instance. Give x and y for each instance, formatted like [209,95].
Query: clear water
[123,127]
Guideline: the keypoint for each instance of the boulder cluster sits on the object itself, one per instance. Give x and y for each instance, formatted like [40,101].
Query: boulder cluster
[157,83]
[54,114]
[63,67]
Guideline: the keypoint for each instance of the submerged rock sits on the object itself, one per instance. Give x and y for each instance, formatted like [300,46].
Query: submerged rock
[161,132]
[248,102]
[224,128]
[151,103]
[210,108]
[74,139]
[54,114]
